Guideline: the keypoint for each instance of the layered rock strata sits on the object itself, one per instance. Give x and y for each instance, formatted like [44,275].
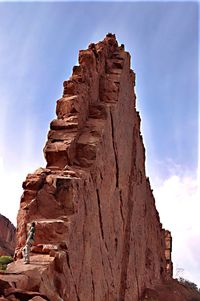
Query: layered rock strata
[7,237]
[98,233]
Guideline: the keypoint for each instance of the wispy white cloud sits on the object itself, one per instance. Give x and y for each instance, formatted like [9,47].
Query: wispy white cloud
[177,200]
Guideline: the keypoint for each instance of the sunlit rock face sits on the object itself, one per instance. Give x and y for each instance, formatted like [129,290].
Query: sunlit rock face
[7,237]
[98,234]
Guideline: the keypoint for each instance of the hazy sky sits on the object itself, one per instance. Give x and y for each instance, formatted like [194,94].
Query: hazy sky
[39,44]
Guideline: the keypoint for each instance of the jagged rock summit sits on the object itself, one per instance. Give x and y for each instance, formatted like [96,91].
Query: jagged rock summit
[98,234]
[7,236]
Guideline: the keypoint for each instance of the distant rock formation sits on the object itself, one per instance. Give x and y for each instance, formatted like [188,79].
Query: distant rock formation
[98,233]
[7,237]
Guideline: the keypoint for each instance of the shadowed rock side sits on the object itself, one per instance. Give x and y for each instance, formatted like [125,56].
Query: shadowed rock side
[98,234]
[7,237]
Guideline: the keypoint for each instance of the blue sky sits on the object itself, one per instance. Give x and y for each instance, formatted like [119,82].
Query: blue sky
[39,44]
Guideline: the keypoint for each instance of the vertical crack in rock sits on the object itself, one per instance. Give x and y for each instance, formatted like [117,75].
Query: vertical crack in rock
[83,235]
[76,290]
[121,210]
[127,234]
[106,246]
[105,278]
[102,235]
[100,216]
[136,273]
[114,149]
[93,287]
[110,265]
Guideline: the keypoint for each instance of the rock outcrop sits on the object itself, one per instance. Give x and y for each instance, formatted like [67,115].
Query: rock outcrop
[168,253]
[7,237]
[98,233]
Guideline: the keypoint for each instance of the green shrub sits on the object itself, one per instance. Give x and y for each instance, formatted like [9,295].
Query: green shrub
[4,261]
[3,267]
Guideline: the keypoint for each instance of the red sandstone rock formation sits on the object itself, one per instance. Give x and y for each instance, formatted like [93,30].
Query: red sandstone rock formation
[7,237]
[168,252]
[98,233]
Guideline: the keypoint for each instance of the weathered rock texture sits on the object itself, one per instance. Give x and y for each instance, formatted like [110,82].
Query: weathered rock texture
[98,234]
[168,253]
[7,236]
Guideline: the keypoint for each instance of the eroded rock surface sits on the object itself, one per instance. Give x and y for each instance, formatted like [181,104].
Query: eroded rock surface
[7,236]
[98,233]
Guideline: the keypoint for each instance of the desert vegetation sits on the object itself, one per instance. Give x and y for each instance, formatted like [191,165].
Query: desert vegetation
[189,284]
[4,261]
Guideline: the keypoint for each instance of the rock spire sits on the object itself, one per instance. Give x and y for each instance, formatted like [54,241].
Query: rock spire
[98,234]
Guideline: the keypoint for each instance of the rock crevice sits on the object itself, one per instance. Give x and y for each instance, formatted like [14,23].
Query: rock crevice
[114,150]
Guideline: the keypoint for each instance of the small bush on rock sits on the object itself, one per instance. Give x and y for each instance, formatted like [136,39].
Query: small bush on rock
[189,284]
[4,261]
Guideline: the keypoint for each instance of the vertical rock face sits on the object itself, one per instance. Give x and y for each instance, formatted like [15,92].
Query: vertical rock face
[98,234]
[168,252]
[7,236]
